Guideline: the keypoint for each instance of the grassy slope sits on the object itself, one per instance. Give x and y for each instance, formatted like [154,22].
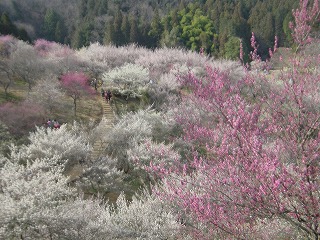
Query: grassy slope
[87,109]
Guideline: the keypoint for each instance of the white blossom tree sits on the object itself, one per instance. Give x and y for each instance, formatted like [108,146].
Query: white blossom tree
[100,177]
[47,93]
[148,155]
[25,192]
[26,64]
[106,57]
[128,80]
[134,128]
[146,217]
[7,47]
[36,203]
[5,138]
[57,58]
[66,142]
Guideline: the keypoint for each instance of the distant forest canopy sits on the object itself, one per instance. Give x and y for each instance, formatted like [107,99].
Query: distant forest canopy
[216,26]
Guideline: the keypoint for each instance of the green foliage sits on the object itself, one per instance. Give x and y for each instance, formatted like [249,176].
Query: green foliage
[49,26]
[197,30]
[117,22]
[82,35]
[286,29]
[125,28]
[206,24]
[8,28]
[5,139]
[134,30]
[53,27]
[156,29]
[6,25]
[232,48]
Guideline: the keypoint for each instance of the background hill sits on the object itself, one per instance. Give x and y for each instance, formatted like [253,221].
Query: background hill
[214,25]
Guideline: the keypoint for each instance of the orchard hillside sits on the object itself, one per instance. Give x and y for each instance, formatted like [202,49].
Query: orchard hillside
[187,146]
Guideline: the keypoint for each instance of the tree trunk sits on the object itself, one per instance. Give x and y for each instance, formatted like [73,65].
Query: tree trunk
[75,106]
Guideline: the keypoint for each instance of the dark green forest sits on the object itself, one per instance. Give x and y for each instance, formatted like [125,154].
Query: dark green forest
[216,26]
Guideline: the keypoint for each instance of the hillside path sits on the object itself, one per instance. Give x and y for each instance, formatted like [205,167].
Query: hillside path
[100,144]
[105,124]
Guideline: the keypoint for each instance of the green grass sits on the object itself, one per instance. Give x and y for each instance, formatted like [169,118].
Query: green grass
[122,106]
[88,109]
[9,97]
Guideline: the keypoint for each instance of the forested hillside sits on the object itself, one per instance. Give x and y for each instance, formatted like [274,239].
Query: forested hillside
[214,25]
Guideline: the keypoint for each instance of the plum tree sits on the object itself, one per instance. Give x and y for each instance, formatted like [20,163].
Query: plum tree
[76,86]
[256,152]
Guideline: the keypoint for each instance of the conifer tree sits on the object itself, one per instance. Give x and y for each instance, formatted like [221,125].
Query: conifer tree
[117,22]
[109,35]
[53,26]
[134,30]
[125,28]
[6,26]
[156,29]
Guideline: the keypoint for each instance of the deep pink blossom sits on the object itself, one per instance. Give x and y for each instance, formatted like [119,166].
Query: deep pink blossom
[255,150]
[304,17]
[76,86]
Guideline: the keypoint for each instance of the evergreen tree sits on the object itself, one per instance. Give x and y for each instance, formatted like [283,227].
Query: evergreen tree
[156,29]
[109,36]
[103,7]
[125,28]
[82,35]
[134,30]
[83,8]
[286,28]
[53,27]
[91,4]
[239,22]
[261,22]
[279,17]
[267,32]
[49,24]
[117,22]
[23,35]
[58,34]
[232,48]
[6,26]
[144,29]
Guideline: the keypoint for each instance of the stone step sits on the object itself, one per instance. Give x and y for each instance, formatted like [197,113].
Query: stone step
[108,116]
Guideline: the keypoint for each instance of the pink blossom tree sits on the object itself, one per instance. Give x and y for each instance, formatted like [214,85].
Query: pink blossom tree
[48,48]
[258,158]
[76,86]
[21,118]
[304,18]
[256,154]
[58,58]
